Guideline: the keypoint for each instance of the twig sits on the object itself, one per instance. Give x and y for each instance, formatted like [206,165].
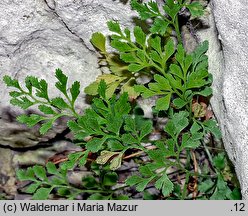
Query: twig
[195,177]
[139,152]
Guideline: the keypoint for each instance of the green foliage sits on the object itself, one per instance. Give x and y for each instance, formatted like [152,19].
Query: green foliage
[77,158]
[145,53]
[217,188]
[99,41]
[164,20]
[36,94]
[120,77]
[42,185]
[186,78]
[164,155]
[111,131]
[111,127]
[162,181]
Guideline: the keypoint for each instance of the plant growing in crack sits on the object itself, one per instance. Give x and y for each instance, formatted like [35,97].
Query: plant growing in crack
[110,131]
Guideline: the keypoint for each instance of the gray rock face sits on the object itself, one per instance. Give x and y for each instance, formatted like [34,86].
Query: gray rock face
[36,37]
[228,61]
[7,173]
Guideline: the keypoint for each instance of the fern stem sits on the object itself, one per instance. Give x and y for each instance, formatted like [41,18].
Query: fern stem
[185,186]
[177,29]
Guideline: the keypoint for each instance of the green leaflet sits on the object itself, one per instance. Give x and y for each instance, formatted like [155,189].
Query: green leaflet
[79,158]
[99,41]
[220,161]
[143,53]
[196,9]
[138,56]
[42,193]
[120,77]
[222,191]
[41,186]
[24,175]
[112,82]
[62,81]
[51,168]
[137,129]
[40,172]
[133,57]
[36,93]
[186,78]
[110,179]
[145,11]
[205,186]
[140,183]
[211,126]
[164,184]
[75,91]
[162,24]
[31,120]
[176,124]
[109,124]
[33,187]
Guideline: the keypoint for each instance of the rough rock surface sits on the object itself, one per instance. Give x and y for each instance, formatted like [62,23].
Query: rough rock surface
[228,60]
[7,173]
[36,37]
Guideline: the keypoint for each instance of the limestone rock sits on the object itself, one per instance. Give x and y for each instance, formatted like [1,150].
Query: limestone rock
[16,135]
[7,173]
[36,37]
[228,60]
[42,154]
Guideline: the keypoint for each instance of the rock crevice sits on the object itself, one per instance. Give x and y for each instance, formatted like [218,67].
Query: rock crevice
[36,37]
